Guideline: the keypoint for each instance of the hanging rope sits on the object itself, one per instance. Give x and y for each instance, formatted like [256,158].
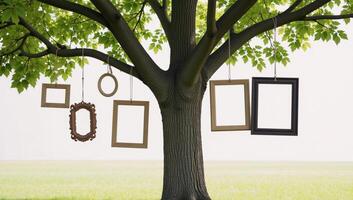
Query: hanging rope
[109,67]
[229,67]
[274,47]
[131,85]
[83,75]
[56,54]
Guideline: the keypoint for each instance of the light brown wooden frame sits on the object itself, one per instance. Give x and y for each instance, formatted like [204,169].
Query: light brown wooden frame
[116,104]
[100,84]
[44,102]
[214,126]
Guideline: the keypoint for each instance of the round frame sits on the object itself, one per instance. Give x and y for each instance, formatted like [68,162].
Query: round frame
[93,121]
[100,85]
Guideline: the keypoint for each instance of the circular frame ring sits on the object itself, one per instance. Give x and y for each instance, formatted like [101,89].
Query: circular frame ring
[100,85]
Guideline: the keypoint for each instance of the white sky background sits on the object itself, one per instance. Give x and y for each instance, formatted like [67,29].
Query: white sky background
[29,132]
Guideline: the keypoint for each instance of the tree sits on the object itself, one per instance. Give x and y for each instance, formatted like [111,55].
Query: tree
[45,37]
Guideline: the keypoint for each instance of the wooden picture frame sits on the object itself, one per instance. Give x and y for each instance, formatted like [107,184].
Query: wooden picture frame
[145,105]
[100,84]
[46,86]
[214,126]
[93,121]
[293,131]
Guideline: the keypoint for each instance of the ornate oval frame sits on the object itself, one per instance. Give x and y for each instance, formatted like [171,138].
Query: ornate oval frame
[100,84]
[93,121]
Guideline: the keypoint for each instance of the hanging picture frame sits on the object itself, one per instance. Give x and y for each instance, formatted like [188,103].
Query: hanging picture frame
[93,121]
[108,74]
[240,82]
[91,108]
[100,85]
[46,86]
[115,136]
[294,84]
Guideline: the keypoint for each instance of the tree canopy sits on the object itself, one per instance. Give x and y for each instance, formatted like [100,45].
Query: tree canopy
[43,37]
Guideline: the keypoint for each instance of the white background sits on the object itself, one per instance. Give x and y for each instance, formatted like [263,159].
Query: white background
[29,132]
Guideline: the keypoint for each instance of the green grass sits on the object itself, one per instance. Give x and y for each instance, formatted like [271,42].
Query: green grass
[143,180]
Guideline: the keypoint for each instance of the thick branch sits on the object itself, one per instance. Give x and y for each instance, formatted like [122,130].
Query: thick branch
[232,15]
[87,52]
[162,15]
[35,33]
[237,40]
[211,17]
[77,8]
[215,31]
[52,49]
[149,72]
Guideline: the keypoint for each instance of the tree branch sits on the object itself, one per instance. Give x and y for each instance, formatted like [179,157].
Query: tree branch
[215,31]
[162,15]
[148,70]
[77,8]
[293,6]
[52,49]
[217,58]
[87,52]
[22,39]
[139,14]
[211,17]
[232,15]
[332,17]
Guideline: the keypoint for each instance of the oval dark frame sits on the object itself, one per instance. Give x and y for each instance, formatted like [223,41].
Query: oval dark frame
[93,121]
[100,85]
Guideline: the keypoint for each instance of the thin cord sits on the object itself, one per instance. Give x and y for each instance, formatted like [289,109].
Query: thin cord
[83,76]
[274,47]
[56,54]
[131,85]
[109,68]
[229,67]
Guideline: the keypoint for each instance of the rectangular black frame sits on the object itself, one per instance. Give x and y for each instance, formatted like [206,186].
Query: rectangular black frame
[293,131]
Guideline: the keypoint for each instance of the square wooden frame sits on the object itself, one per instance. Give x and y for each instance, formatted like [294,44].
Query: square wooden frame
[214,126]
[116,104]
[294,82]
[46,86]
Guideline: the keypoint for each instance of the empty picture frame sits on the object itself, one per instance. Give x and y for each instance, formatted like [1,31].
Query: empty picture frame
[293,83]
[214,125]
[91,108]
[115,135]
[46,86]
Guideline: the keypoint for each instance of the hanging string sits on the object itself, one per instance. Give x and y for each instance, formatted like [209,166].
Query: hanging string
[229,67]
[56,54]
[275,47]
[131,85]
[109,67]
[83,75]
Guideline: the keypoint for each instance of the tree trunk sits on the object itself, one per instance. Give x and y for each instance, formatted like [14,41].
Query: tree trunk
[183,160]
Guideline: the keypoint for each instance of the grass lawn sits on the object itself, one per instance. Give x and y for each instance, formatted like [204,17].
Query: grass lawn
[125,180]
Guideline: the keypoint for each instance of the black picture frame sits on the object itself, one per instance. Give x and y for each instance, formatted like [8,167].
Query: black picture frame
[255,130]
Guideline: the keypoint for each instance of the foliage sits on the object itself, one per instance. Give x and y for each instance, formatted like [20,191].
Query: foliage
[71,30]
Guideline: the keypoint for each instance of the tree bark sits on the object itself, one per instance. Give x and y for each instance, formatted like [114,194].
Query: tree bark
[183,160]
